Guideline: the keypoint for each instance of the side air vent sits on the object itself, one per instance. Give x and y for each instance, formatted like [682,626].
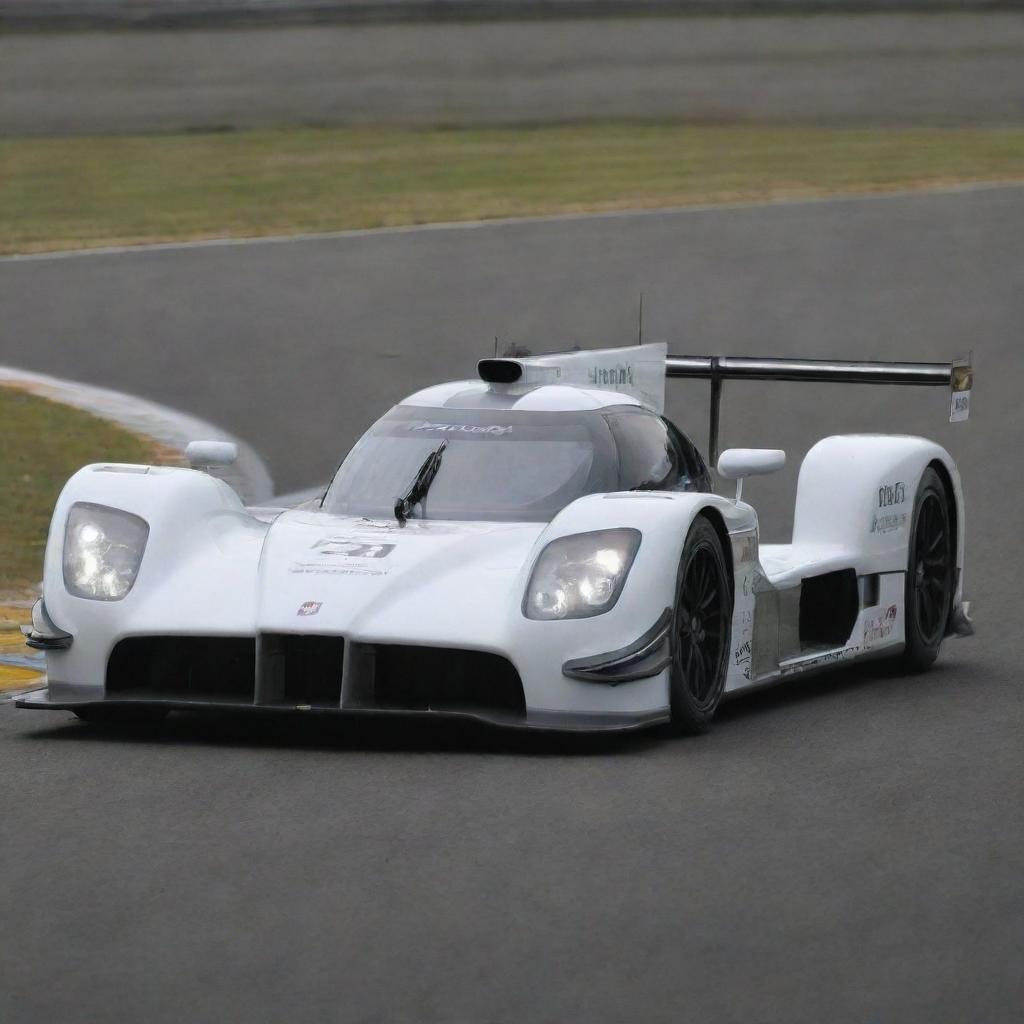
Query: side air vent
[499,371]
[829,605]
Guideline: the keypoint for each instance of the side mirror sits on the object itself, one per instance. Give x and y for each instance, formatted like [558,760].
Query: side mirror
[738,463]
[203,454]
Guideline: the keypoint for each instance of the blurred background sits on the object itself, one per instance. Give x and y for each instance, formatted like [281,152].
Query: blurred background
[126,124]
[190,198]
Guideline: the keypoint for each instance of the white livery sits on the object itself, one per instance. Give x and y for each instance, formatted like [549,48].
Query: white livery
[538,547]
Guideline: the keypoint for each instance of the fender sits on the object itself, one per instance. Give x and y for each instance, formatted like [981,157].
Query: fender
[198,570]
[856,491]
[663,519]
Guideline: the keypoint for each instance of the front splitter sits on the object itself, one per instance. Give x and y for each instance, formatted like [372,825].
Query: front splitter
[536,721]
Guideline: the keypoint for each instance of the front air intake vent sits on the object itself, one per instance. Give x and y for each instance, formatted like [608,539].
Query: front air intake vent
[433,678]
[301,670]
[209,669]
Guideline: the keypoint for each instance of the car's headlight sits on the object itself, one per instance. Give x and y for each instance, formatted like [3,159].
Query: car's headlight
[581,575]
[102,551]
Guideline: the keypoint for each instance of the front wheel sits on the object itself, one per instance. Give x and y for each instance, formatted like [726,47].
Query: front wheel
[700,629]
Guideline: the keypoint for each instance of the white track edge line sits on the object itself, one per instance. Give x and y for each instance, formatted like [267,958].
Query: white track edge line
[470,225]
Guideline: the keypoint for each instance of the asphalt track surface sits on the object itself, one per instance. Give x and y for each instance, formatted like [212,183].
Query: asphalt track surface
[842,849]
[948,67]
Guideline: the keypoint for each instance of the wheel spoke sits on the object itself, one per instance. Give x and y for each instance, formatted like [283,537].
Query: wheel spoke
[698,675]
[710,664]
[702,621]
[702,582]
[931,565]
[930,609]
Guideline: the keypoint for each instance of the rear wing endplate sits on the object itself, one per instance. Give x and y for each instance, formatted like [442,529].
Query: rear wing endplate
[957,375]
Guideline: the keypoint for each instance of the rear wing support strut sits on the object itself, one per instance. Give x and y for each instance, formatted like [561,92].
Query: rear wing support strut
[957,375]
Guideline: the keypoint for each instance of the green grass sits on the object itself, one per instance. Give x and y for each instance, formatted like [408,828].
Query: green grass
[44,443]
[60,193]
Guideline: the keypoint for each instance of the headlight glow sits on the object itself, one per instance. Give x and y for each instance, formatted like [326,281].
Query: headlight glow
[103,549]
[580,575]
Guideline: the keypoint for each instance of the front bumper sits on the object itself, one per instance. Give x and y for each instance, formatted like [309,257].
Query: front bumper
[70,698]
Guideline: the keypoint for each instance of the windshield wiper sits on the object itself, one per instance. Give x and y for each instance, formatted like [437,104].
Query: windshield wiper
[418,491]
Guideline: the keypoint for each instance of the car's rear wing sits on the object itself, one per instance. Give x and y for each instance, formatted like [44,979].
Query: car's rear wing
[641,371]
[957,375]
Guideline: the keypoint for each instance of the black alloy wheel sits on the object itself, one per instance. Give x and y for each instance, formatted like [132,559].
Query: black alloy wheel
[930,573]
[700,629]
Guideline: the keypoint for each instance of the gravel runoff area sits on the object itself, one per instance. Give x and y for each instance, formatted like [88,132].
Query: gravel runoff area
[846,849]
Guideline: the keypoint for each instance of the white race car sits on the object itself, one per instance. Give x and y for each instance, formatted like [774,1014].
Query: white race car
[539,548]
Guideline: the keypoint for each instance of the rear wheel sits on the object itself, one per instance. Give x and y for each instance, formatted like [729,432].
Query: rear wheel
[700,629]
[930,573]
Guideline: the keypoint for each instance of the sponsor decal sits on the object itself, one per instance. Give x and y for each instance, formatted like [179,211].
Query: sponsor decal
[461,428]
[754,582]
[309,607]
[348,547]
[892,494]
[741,657]
[744,548]
[374,524]
[430,527]
[960,397]
[881,626]
[959,406]
[326,569]
[831,658]
[611,376]
[888,521]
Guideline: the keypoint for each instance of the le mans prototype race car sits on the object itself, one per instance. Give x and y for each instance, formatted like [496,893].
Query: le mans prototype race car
[539,547]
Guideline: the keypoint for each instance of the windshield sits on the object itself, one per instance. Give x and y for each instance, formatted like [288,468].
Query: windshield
[498,465]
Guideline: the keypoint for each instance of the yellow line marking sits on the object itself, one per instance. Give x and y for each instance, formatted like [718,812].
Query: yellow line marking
[17,677]
[12,642]
[13,677]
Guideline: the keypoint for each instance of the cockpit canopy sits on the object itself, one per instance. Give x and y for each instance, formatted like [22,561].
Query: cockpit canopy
[506,465]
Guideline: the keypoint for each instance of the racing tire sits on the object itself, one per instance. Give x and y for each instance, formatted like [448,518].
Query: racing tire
[701,629]
[931,572]
[122,718]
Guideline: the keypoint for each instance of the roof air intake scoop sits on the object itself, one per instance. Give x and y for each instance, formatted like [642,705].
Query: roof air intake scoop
[638,371]
[500,371]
